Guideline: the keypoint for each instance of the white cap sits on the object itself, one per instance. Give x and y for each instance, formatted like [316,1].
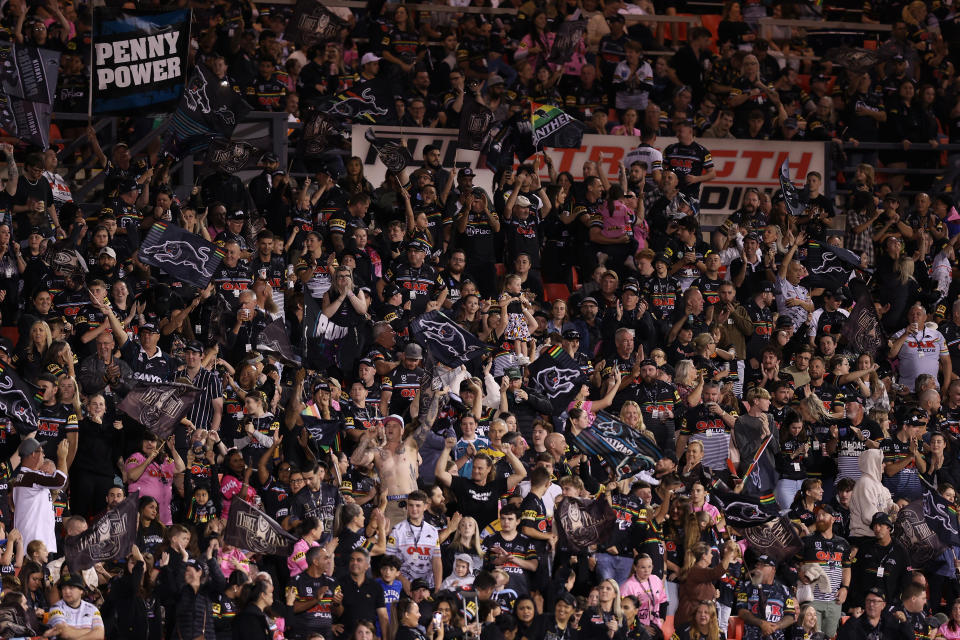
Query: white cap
[108,251]
[369,57]
[523,201]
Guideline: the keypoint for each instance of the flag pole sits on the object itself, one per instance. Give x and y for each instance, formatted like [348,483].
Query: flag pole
[93,30]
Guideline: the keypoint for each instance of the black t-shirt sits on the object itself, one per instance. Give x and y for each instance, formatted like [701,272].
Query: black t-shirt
[480,502]
[319,617]
[360,602]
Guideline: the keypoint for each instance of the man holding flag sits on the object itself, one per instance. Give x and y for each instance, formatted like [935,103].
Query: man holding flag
[756,439]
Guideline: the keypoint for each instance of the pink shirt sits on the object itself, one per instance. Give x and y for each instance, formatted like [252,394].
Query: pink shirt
[229,487]
[226,567]
[713,511]
[650,593]
[297,562]
[944,630]
[156,482]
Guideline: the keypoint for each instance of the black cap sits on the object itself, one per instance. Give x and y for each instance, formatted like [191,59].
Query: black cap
[127,184]
[836,294]
[269,157]
[647,362]
[419,583]
[766,560]
[829,510]
[237,215]
[194,345]
[662,257]
[567,598]
[466,171]
[418,245]
[631,287]
[877,591]
[881,518]
[571,334]
[149,326]
[753,235]
[192,562]
[768,287]
[6,346]
[783,322]
[73,580]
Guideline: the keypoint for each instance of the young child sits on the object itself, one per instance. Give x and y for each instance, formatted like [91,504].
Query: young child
[462,575]
[202,509]
[519,318]
[389,581]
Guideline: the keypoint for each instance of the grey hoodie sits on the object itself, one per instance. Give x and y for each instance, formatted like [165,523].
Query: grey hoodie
[869,494]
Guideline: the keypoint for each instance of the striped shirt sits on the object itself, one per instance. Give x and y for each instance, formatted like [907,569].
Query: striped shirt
[201,413]
[712,432]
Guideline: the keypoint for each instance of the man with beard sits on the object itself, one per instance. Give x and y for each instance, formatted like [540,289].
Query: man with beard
[818,385]
[761,315]
[401,384]
[768,372]
[709,424]
[751,431]
[316,499]
[420,283]
[875,622]
[856,433]
[658,401]
[432,163]
[881,563]
[750,270]
[232,276]
[832,553]
[631,312]
[781,395]
[800,369]
[764,603]
[234,232]
[746,215]
[588,325]
[453,276]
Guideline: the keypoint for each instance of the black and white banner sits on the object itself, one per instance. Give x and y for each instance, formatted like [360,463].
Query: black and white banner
[569,37]
[17,401]
[778,539]
[392,153]
[139,59]
[109,538]
[159,406]
[475,121]
[29,121]
[558,376]
[446,340]
[582,523]
[231,156]
[252,530]
[312,24]
[184,255]
[742,511]
[274,339]
[29,73]
[790,195]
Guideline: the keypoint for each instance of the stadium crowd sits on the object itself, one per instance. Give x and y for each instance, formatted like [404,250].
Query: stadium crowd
[422,496]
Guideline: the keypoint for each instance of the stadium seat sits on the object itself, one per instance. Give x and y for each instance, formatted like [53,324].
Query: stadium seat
[574,280]
[11,333]
[556,291]
[501,269]
[735,628]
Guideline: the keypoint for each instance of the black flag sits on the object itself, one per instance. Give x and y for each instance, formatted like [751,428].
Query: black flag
[109,538]
[513,138]
[139,59]
[370,102]
[862,330]
[554,127]
[29,73]
[17,401]
[29,121]
[583,523]
[742,511]
[313,24]
[777,539]
[828,266]
[558,376]
[66,262]
[252,530]
[446,340]
[274,339]
[622,449]
[392,154]
[159,406]
[475,120]
[231,156]
[790,195]
[184,255]
[209,109]
[318,134]
[569,36]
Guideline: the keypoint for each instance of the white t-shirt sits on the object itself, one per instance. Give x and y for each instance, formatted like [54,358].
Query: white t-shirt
[797,315]
[920,354]
[86,616]
[33,513]
[416,547]
[549,498]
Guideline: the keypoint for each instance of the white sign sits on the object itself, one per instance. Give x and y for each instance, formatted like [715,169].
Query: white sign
[739,163]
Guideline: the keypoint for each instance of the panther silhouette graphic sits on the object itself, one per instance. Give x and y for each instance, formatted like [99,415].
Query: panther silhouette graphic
[354,105]
[195,93]
[179,252]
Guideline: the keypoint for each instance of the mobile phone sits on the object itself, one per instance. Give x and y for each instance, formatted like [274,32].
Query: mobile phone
[438,620]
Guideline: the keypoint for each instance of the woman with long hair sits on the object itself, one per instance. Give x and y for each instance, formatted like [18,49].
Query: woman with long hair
[603,620]
[151,471]
[469,314]
[535,46]
[31,577]
[697,578]
[466,539]
[703,624]
[876,391]
[805,502]
[309,530]
[353,181]
[648,590]
[150,531]
[807,626]
[235,481]
[352,532]
[28,358]
[628,124]
[950,630]
[529,623]
[138,614]
[794,445]
[194,223]
[732,27]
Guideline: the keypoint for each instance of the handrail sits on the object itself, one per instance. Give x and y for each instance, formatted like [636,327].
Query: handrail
[439,8]
[634,17]
[824,24]
[897,146]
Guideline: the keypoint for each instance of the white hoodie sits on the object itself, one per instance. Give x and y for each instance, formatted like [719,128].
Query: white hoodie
[869,495]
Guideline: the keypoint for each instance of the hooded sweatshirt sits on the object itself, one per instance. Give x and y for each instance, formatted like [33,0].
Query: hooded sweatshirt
[869,494]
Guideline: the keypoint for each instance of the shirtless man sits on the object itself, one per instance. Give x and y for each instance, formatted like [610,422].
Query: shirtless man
[396,458]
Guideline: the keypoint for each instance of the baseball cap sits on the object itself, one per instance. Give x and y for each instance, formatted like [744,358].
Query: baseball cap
[753,235]
[149,326]
[466,171]
[589,300]
[321,385]
[877,591]
[108,251]
[127,184]
[631,286]
[766,560]
[237,215]
[418,245]
[195,345]
[366,361]
[269,157]
[783,322]
[571,334]
[73,580]
[419,583]
[28,446]
[370,57]
[6,346]
[393,417]
[768,287]
[647,362]
[514,373]
[413,350]
[523,201]
[881,518]
[662,257]
[494,80]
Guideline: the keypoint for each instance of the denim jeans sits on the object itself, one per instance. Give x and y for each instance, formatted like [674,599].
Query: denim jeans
[616,567]
[785,492]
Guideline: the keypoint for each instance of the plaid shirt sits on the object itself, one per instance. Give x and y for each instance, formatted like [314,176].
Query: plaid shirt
[860,243]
